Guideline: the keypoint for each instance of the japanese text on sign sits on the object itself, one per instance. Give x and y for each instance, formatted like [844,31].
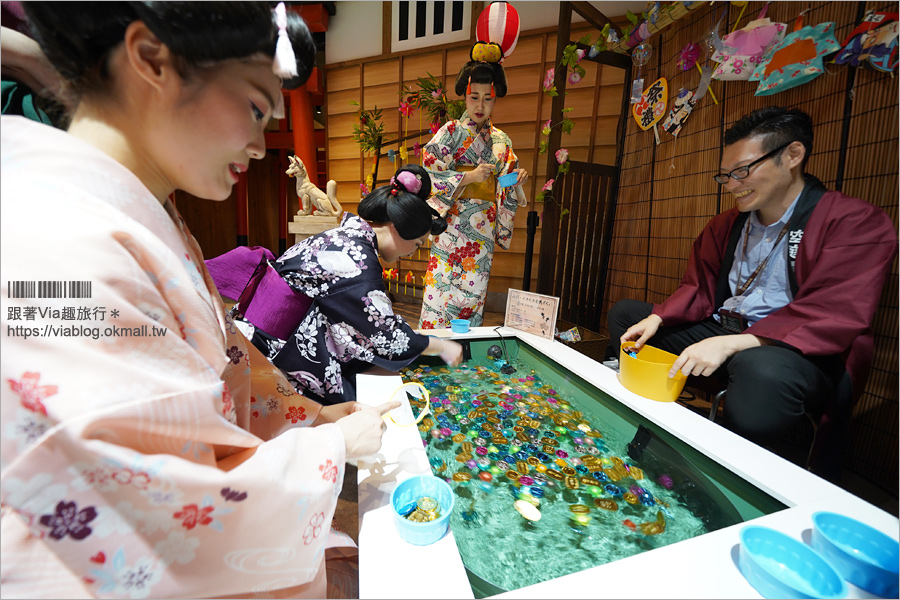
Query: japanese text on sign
[534,313]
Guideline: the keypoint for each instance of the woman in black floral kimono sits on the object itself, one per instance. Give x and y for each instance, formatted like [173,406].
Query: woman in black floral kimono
[349,326]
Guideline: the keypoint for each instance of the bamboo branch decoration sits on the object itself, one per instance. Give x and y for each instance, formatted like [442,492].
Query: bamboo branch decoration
[665,18]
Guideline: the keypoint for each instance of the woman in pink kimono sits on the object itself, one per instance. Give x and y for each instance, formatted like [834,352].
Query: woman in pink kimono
[148,449]
[465,158]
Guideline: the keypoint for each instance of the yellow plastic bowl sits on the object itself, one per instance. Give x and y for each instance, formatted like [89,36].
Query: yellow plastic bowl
[647,374]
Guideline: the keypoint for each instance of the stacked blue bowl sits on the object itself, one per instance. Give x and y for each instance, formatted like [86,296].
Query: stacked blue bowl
[864,556]
[779,566]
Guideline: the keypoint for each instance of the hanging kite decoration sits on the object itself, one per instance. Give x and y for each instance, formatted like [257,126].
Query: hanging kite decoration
[681,108]
[799,58]
[745,48]
[872,43]
[652,106]
[499,24]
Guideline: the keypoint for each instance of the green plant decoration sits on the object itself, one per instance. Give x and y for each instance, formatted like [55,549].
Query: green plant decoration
[369,132]
[428,95]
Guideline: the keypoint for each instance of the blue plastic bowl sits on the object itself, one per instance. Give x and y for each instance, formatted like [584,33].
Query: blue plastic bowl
[409,491]
[459,325]
[779,566]
[864,556]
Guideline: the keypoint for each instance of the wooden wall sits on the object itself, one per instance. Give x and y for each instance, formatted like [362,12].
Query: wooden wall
[667,193]
[378,82]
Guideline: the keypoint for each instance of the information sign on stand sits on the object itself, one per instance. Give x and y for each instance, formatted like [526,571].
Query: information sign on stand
[534,313]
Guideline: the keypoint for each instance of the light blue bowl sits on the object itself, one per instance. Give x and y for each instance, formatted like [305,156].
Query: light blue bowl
[864,556]
[779,566]
[409,491]
[459,325]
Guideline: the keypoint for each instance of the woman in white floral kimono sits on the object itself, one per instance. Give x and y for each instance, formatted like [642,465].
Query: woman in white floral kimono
[148,450]
[347,324]
[465,158]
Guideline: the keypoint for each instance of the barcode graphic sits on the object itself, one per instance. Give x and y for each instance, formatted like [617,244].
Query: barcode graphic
[49,289]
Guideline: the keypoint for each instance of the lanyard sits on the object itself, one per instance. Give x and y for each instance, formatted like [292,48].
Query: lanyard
[743,287]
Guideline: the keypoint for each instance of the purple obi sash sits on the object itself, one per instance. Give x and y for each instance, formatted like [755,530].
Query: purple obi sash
[264,298]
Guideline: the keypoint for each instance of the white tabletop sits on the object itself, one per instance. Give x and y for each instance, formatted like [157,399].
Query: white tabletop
[700,567]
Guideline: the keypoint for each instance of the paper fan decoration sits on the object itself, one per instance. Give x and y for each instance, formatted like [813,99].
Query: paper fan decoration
[499,24]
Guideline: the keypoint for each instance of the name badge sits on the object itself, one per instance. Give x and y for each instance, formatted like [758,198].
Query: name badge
[732,321]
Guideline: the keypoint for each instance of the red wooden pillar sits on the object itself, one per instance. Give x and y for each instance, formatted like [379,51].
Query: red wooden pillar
[302,128]
[242,210]
[282,203]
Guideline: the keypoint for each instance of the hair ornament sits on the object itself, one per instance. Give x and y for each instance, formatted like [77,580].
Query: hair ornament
[285,64]
[410,181]
[488,52]
[469,87]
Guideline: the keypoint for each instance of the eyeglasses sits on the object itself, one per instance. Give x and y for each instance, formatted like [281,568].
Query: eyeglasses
[743,172]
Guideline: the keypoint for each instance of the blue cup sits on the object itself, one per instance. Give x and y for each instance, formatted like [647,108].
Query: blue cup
[508,180]
[459,325]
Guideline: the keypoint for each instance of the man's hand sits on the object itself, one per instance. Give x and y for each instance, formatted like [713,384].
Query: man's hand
[642,331]
[704,357]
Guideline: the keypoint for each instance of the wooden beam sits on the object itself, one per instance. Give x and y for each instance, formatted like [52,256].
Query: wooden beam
[386,24]
[606,57]
[593,16]
[550,221]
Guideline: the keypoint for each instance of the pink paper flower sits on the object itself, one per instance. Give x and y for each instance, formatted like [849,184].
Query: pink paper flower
[548,186]
[562,155]
[436,94]
[688,56]
[546,129]
[548,78]
[406,109]
[574,77]
[579,54]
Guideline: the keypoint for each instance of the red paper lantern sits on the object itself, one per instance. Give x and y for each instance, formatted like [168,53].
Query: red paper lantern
[499,23]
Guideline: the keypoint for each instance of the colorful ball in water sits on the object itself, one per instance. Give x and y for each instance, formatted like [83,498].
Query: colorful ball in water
[666,481]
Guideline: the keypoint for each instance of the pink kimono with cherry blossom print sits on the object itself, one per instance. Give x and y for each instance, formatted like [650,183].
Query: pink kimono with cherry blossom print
[148,449]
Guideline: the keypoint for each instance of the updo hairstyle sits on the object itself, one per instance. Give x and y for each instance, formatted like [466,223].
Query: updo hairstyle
[78,37]
[403,203]
[481,72]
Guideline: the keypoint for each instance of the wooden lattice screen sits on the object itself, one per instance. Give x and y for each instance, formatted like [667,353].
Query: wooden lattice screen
[588,193]
[667,194]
